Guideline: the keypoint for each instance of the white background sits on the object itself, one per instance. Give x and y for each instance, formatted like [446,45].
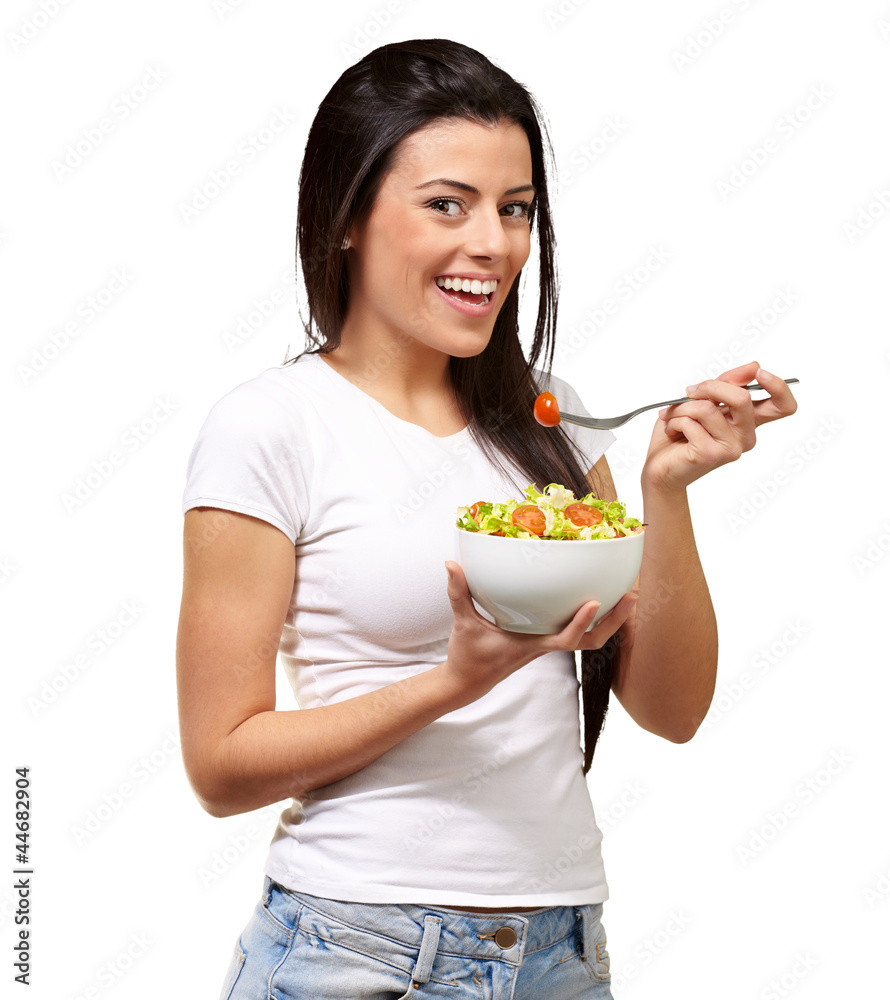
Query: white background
[756,854]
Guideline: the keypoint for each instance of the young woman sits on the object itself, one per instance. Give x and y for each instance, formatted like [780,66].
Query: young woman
[441,840]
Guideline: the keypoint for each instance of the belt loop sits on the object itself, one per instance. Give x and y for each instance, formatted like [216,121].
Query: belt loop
[583,913]
[428,947]
[267,890]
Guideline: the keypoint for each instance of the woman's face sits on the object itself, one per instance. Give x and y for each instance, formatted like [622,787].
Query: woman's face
[453,206]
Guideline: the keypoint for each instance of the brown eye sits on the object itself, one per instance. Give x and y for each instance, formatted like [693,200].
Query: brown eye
[440,205]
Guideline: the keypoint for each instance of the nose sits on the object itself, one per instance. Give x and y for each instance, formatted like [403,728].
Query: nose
[487,236]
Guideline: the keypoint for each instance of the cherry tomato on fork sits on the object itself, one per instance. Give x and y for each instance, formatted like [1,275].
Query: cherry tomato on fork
[583,514]
[531,518]
[547,410]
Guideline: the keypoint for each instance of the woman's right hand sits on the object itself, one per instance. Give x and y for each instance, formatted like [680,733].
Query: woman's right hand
[480,653]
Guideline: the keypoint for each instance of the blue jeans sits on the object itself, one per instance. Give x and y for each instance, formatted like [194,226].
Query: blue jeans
[301,947]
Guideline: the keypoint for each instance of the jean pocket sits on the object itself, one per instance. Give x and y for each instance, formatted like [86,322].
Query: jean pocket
[235,967]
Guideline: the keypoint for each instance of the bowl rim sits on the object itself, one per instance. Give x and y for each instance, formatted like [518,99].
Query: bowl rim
[538,540]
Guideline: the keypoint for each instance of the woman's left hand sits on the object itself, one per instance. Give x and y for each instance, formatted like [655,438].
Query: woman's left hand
[715,427]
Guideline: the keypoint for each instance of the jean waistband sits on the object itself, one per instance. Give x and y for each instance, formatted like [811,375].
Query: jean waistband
[448,932]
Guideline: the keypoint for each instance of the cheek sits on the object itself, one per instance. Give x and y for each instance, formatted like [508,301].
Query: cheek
[522,245]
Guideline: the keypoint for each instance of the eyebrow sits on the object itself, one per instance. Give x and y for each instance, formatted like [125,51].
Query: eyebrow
[469,187]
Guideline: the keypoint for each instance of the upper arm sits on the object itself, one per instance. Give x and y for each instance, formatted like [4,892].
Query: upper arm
[238,578]
[600,480]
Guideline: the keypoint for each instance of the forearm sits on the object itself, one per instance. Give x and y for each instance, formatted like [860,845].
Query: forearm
[669,679]
[276,755]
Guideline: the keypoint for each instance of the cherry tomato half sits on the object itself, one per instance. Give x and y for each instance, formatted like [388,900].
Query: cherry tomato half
[531,518]
[547,410]
[583,514]
[474,510]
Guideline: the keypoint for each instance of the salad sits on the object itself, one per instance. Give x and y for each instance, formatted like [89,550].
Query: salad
[555,513]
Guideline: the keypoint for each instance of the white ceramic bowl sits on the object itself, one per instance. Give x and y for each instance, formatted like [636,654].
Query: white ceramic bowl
[537,584]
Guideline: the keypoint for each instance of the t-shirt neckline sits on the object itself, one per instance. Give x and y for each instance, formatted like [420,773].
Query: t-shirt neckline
[376,404]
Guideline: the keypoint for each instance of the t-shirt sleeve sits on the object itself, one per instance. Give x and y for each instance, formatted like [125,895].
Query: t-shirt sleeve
[251,457]
[591,443]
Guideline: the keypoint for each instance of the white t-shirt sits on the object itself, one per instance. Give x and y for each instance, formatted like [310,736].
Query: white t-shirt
[487,805]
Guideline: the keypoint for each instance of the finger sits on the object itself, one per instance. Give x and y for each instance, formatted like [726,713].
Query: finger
[743,375]
[569,637]
[609,624]
[725,422]
[459,591]
[781,401]
[710,450]
[735,405]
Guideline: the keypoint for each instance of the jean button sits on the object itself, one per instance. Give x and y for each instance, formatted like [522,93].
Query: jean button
[505,937]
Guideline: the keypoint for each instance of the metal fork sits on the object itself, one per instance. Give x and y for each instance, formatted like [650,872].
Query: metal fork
[610,423]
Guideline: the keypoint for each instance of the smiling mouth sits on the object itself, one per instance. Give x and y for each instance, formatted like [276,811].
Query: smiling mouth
[468,290]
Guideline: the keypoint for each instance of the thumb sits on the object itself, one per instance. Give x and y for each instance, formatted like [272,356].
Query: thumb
[458,591]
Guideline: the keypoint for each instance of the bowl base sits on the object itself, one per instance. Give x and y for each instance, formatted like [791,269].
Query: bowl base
[531,629]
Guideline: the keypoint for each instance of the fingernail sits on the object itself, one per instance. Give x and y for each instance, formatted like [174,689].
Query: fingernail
[663,413]
[762,373]
[449,571]
[692,389]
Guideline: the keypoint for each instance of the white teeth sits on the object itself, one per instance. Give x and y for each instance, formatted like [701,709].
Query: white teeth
[473,285]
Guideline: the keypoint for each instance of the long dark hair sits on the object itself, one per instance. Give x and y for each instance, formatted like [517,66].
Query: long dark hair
[375,104]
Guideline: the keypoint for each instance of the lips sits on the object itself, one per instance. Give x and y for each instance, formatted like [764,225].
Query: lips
[468,303]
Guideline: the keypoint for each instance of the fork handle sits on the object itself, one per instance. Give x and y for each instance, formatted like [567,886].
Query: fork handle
[671,402]
[685,399]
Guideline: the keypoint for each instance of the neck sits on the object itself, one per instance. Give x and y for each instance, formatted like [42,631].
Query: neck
[397,368]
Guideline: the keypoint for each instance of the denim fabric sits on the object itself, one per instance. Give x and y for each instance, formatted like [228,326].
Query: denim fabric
[300,947]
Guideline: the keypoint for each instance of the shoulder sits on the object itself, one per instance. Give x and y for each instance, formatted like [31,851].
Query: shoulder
[273,402]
